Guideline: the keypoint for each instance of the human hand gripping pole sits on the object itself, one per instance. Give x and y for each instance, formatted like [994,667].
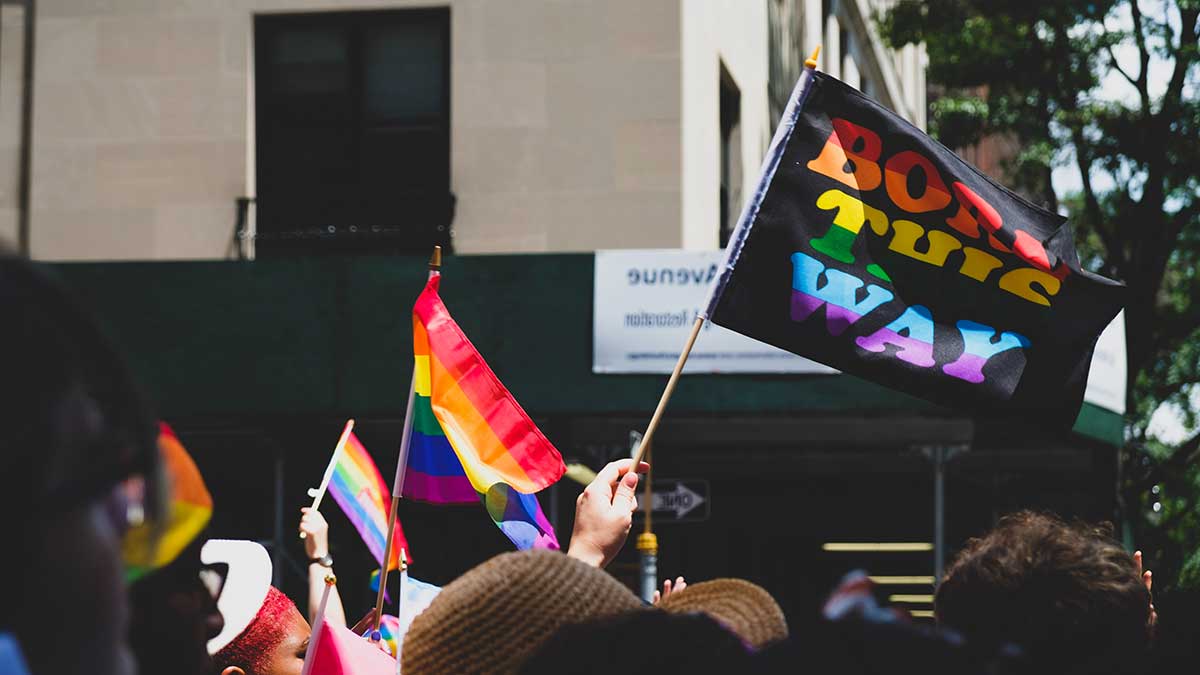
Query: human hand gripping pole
[604,513]
[314,530]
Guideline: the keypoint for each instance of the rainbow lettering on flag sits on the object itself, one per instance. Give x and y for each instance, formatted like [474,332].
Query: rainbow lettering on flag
[471,440]
[871,248]
[359,489]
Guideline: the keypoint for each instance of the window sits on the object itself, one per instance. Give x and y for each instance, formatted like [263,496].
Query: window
[353,127]
[785,54]
[731,154]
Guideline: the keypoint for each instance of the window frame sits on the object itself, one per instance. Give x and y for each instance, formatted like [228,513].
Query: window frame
[350,234]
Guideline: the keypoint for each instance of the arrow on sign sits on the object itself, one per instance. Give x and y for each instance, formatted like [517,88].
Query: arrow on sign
[681,500]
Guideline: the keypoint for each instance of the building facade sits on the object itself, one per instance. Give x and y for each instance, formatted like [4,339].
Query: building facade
[279,130]
[160,130]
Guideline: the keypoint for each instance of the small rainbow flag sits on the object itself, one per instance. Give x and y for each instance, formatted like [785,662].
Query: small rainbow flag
[358,488]
[149,546]
[470,438]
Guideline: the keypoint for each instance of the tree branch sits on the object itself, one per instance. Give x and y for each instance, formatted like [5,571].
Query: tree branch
[1181,219]
[1139,36]
[1183,58]
[1091,204]
[1184,456]
[1117,67]
[1154,194]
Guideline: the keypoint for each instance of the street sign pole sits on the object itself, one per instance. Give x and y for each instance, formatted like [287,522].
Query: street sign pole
[647,545]
[938,456]
[939,512]
[647,541]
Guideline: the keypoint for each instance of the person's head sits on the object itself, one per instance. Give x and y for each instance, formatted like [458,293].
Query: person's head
[641,642]
[73,432]
[173,594]
[743,607]
[495,616]
[174,615]
[273,644]
[264,633]
[1068,593]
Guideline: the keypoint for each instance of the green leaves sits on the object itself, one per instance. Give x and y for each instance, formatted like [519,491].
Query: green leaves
[1030,75]
[958,121]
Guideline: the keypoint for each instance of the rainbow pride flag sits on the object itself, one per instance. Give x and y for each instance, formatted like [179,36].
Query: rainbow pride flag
[150,545]
[358,488]
[470,438]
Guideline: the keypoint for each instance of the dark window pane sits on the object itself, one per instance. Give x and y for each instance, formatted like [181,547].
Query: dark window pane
[405,73]
[353,123]
[310,61]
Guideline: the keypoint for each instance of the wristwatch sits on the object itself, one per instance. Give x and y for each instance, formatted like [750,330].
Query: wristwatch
[324,561]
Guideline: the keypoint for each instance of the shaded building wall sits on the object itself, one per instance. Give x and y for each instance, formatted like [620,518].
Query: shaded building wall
[565,124]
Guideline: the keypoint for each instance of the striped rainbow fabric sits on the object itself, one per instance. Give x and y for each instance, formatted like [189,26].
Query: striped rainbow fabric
[471,440]
[359,489]
[150,546]
[434,473]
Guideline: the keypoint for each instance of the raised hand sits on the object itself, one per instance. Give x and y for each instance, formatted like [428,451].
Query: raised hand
[316,532]
[604,513]
[1147,579]
[668,589]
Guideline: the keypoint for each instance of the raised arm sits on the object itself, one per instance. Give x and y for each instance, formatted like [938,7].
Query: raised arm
[316,547]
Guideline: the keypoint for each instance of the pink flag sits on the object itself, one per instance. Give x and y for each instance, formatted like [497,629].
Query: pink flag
[338,651]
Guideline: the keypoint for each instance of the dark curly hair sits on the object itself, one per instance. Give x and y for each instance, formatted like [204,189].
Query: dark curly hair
[1067,592]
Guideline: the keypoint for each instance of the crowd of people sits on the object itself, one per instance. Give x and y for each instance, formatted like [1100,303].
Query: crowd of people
[79,445]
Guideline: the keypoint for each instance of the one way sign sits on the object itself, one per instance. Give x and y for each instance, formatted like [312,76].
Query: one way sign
[679,500]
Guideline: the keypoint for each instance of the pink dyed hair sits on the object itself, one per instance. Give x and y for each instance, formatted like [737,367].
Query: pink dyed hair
[252,648]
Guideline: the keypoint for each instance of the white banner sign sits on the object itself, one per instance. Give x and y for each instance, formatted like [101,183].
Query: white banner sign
[1106,378]
[645,302]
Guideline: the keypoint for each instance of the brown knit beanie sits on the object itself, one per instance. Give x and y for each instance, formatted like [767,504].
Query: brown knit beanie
[491,619]
[745,608]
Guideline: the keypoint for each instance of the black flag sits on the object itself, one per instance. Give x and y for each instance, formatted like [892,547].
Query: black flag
[872,248]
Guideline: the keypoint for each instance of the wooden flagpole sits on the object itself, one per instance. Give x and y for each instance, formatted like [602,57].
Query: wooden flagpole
[666,395]
[810,64]
[435,264]
[383,569]
[337,450]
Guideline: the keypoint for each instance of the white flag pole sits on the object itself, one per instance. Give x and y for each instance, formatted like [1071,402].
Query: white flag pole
[435,263]
[319,494]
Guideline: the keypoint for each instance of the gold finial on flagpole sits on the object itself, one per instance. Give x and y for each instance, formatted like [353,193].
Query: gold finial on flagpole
[811,63]
[435,260]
